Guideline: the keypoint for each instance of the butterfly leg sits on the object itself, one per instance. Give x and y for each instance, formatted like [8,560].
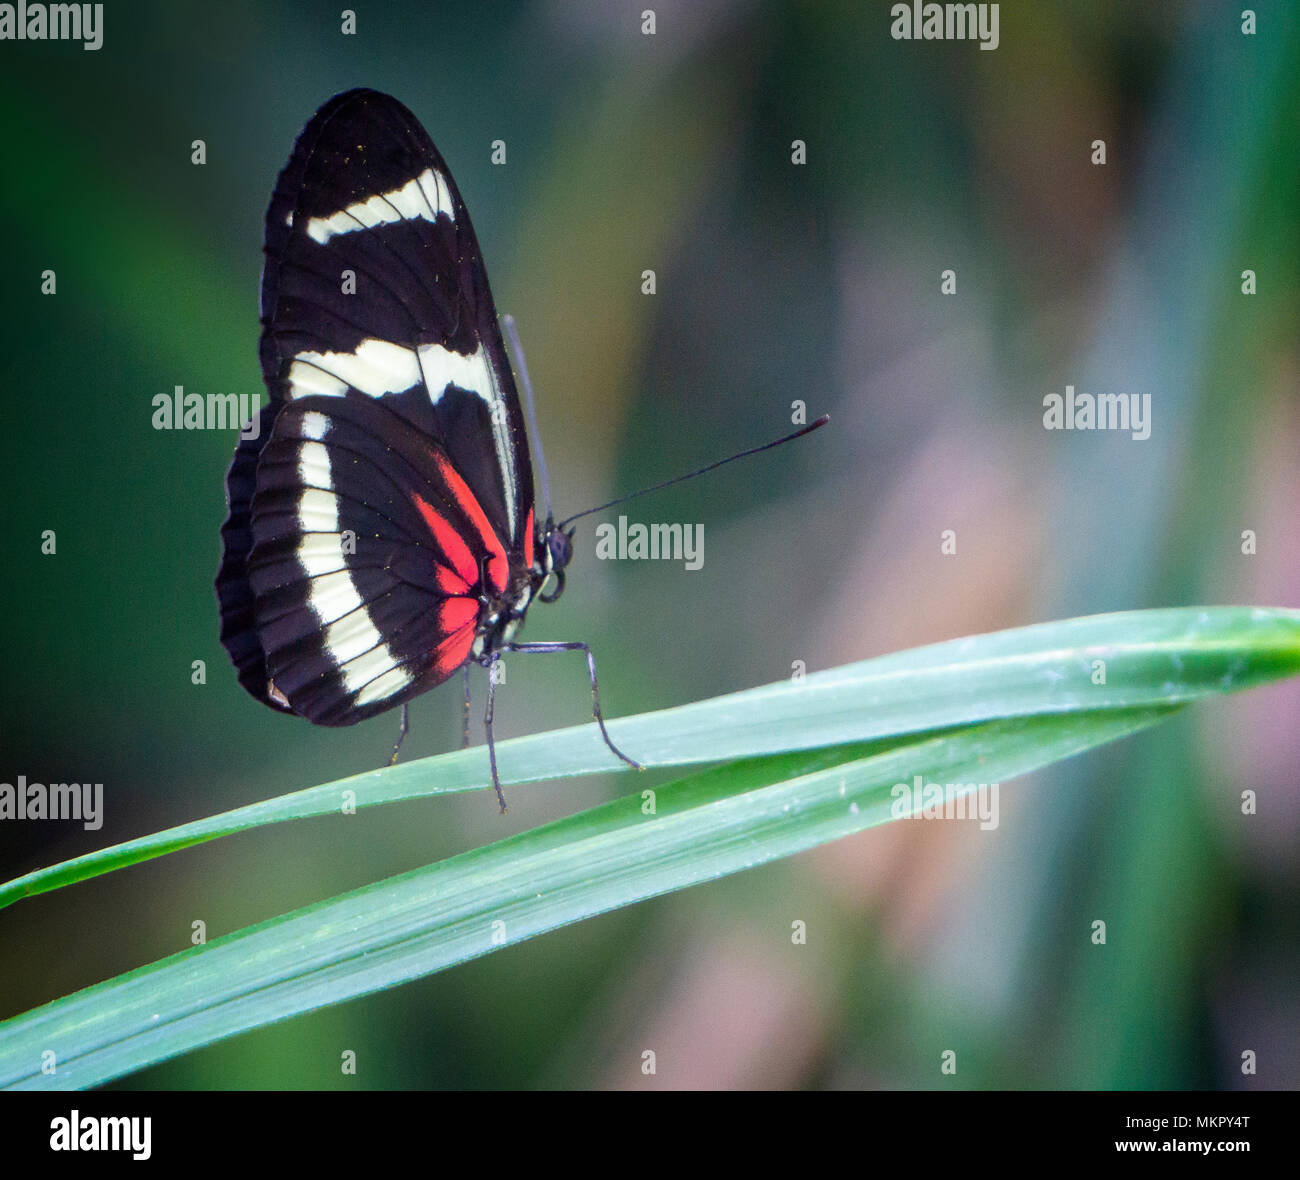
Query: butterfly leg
[578,645]
[402,726]
[487,725]
[464,740]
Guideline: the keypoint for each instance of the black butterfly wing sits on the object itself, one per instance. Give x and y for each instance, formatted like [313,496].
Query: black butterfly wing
[234,592]
[393,450]
[369,557]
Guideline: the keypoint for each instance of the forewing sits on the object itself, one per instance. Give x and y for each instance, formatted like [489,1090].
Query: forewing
[374,281]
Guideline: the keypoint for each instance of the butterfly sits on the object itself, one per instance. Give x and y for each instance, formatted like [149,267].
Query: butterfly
[382,531]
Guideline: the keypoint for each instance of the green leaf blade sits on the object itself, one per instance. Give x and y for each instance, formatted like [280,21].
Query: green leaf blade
[711,825]
[1151,658]
[804,763]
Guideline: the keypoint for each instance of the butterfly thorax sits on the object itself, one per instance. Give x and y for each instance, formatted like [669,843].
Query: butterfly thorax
[501,615]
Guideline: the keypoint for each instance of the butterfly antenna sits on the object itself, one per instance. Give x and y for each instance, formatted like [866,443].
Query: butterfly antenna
[512,337]
[700,471]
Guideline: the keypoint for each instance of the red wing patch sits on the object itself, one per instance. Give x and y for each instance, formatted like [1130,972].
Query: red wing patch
[528,541]
[467,502]
[456,613]
[454,650]
[455,580]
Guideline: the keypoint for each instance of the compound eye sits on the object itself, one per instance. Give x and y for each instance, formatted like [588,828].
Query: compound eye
[561,547]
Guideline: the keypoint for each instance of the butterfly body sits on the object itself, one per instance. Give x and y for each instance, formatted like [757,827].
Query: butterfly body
[382,530]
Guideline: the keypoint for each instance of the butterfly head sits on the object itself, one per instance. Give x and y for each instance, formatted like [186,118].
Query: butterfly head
[556,546]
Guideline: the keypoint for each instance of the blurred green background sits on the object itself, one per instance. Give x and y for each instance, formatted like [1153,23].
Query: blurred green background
[775,282]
